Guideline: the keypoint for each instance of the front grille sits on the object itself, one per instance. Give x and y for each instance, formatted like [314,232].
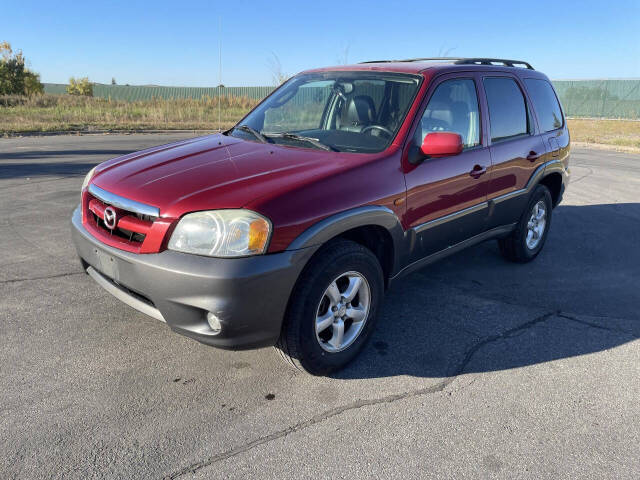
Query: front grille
[129,226]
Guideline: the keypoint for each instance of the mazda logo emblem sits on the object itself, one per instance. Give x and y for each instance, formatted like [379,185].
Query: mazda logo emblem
[110,218]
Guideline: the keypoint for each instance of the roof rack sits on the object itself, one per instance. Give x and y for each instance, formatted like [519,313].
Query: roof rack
[448,59]
[464,61]
[491,61]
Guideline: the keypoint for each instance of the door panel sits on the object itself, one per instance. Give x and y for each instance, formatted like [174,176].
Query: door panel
[517,149]
[513,164]
[446,197]
[441,196]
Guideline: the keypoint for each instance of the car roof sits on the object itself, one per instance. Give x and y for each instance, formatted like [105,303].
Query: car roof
[434,67]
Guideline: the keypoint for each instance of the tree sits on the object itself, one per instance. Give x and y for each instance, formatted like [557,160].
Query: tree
[32,84]
[113,81]
[11,71]
[279,77]
[343,57]
[445,52]
[80,86]
[15,78]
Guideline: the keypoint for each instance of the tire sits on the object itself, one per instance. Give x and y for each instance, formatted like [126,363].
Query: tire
[346,264]
[522,245]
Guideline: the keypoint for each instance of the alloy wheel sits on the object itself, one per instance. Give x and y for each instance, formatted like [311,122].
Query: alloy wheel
[342,312]
[536,225]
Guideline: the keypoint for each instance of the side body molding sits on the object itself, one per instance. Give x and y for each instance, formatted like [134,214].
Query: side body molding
[324,230]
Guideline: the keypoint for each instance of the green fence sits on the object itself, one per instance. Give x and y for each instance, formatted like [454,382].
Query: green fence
[600,98]
[133,93]
[580,98]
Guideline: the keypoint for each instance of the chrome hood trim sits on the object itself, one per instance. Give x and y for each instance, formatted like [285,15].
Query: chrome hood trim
[123,203]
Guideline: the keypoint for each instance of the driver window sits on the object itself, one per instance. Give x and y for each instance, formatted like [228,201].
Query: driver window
[453,107]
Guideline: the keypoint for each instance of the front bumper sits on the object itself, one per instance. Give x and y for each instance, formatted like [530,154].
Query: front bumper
[249,295]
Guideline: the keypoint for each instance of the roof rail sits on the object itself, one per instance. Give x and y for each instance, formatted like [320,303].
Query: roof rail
[491,61]
[463,61]
[412,60]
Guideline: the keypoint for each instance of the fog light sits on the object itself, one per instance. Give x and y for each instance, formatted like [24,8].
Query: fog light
[214,322]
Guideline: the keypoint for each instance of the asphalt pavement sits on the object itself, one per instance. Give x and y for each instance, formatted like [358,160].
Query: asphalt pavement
[478,367]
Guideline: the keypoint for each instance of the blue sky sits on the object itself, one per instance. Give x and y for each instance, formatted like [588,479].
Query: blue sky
[174,43]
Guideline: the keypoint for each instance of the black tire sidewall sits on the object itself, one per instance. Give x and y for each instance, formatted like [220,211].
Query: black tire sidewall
[329,266]
[540,193]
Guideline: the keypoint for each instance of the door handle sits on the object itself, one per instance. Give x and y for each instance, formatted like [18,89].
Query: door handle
[533,156]
[477,171]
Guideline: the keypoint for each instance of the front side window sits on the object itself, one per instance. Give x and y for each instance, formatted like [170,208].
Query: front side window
[340,111]
[508,115]
[453,107]
[545,103]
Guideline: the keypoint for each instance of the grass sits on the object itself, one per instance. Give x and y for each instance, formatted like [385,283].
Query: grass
[618,133]
[60,113]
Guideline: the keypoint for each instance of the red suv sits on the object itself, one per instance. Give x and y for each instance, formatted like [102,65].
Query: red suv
[288,228]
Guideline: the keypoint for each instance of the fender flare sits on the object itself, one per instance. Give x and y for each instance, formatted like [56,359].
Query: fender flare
[321,232]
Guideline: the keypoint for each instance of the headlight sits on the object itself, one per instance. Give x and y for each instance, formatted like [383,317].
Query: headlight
[87,178]
[221,233]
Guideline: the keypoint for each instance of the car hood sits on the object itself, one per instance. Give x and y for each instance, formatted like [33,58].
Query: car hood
[211,172]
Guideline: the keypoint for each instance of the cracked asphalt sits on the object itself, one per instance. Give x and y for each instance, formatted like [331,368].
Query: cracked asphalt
[478,367]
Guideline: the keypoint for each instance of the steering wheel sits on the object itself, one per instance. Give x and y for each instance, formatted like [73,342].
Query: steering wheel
[377,127]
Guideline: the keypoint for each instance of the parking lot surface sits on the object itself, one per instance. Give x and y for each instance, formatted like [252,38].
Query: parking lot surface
[478,367]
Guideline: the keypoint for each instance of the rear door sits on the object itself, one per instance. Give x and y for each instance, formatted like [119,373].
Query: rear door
[446,197]
[516,146]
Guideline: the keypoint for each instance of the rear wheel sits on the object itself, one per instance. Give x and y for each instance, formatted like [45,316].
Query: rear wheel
[333,308]
[526,241]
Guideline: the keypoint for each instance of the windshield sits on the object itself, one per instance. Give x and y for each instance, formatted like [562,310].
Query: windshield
[339,111]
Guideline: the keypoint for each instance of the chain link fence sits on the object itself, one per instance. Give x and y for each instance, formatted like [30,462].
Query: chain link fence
[133,93]
[600,98]
[580,98]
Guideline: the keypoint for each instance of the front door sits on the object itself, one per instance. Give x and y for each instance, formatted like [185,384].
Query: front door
[446,197]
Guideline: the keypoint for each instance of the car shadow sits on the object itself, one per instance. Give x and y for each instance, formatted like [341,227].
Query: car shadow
[32,170]
[578,297]
[16,164]
[48,154]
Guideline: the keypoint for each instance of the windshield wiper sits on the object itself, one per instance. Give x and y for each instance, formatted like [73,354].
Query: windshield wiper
[255,133]
[294,136]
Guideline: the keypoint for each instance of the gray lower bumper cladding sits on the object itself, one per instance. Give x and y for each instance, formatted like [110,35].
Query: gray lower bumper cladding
[249,295]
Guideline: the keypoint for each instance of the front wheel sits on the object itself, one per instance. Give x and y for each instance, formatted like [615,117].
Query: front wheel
[526,241]
[333,308]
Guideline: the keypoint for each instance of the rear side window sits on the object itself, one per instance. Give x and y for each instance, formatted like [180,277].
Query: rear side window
[507,108]
[545,104]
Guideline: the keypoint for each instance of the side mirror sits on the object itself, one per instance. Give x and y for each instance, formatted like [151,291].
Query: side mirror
[441,144]
[436,145]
